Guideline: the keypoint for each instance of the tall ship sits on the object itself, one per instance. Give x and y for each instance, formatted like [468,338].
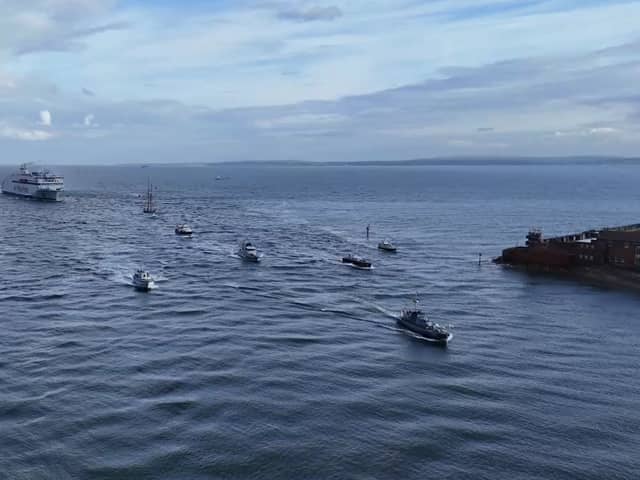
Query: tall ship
[38,184]
[149,205]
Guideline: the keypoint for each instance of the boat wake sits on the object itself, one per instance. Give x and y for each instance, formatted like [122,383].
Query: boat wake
[386,312]
[352,316]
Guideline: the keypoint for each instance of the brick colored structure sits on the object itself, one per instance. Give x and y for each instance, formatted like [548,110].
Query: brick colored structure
[621,247]
[618,247]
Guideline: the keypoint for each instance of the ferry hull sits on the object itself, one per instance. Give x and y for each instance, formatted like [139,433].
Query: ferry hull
[44,195]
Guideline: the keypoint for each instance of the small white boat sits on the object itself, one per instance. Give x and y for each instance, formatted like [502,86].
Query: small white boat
[387,246]
[142,280]
[183,229]
[247,251]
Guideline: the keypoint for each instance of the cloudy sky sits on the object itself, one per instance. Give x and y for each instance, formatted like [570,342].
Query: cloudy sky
[108,81]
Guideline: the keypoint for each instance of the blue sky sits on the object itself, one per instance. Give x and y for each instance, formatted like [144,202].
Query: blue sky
[107,81]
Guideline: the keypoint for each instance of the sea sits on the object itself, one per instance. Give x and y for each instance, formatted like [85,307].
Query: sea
[295,367]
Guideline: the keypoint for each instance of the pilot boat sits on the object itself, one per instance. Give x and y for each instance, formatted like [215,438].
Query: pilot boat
[414,319]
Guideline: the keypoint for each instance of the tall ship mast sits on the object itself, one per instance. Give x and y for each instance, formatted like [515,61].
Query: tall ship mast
[40,184]
[149,206]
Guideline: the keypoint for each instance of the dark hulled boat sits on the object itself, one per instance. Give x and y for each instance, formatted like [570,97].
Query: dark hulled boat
[357,262]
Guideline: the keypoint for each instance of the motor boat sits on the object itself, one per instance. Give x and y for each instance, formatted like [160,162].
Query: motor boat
[387,246]
[247,251]
[357,262]
[414,319]
[142,280]
[183,229]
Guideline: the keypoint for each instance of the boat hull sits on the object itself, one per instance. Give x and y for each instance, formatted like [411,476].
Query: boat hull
[362,265]
[142,286]
[43,195]
[426,334]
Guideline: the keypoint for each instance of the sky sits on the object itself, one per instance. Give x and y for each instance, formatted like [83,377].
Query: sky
[133,81]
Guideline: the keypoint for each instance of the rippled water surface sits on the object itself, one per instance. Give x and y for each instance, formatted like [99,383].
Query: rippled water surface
[295,368]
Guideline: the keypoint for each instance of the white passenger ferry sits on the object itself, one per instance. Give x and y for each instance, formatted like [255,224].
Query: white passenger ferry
[40,184]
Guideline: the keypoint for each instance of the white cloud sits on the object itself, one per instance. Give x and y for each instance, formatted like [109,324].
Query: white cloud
[24,134]
[50,25]
[45,118]
[6,81]
[301,120]
[603,131]
[384,80]
[584,132]
[309,14]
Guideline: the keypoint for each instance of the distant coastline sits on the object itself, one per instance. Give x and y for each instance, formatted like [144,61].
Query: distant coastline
[432,161]
[475,161]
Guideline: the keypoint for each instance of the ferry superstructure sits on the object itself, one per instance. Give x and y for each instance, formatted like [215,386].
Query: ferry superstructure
[40,184]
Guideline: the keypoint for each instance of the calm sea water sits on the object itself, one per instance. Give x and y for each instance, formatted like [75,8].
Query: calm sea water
[294,368]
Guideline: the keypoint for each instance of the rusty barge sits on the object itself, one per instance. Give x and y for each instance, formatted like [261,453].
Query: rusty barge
[607,256]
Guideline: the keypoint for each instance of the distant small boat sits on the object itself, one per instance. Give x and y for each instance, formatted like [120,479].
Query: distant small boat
[149,206]
[357,262]
[247,251]
[218,177]
[184,230]
[142,280]
[387,246]
[414,319]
